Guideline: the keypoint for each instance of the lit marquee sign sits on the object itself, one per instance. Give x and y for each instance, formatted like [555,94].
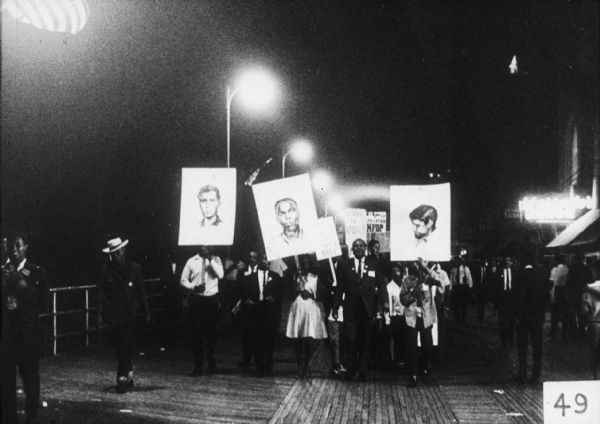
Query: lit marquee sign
[555,208]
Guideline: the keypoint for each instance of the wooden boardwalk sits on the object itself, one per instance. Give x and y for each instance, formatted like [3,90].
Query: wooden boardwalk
[473,382]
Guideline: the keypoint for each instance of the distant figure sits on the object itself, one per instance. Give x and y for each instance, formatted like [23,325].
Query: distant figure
[209,199]
[504,281]
[122,291]
[24,297]
[559,307]
[200,277]
[361,291]
[306,320]
[244,311]
[460,290]
[591,313]
[394,317]
[577,280]
[261,298]
[532,293]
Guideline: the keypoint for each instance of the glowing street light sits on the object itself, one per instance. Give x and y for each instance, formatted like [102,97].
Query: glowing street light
[335,203]
[301,151]
[256,89]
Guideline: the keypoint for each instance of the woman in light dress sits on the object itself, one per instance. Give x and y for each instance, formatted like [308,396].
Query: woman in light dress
[306,320]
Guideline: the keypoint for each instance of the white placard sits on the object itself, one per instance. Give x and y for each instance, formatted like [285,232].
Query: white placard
[328,244]
[355,226]
[420,222]
[572,402]
[376,222]
[287,216]
[207,214]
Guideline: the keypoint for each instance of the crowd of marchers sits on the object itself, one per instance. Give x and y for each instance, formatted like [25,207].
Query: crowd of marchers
[367,309]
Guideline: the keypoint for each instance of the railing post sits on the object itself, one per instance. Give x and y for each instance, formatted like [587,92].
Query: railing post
[54,333]
[87,318]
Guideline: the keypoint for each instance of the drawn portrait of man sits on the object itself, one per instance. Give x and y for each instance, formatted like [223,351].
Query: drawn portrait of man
[287,216]
[209,199]
[420,222]
[423,219]
[207,206]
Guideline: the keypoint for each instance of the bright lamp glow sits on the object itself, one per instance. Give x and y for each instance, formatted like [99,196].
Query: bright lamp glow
[322,180]
[50,15]
[256,89]
[335,203]
[301,151]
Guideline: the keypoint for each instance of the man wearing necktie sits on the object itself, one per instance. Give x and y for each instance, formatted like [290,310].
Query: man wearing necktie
[506,304]
[261,296]
[361,286]
[245,310]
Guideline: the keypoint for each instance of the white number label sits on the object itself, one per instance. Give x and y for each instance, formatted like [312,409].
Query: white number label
[572,402]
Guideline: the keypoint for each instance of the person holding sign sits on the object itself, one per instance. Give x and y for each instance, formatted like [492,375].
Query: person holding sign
[532,294]
[361,286]
[200,277]
[306,321]
[417,296]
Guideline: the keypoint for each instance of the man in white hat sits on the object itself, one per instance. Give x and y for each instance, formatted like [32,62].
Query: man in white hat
[122,292]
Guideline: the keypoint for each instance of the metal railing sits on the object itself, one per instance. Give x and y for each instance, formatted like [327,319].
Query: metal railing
[55,313]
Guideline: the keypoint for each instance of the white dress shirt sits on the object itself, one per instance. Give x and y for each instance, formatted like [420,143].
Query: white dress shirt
[202,271]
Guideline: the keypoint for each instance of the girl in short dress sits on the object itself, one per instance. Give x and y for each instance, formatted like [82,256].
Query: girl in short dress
[306,320]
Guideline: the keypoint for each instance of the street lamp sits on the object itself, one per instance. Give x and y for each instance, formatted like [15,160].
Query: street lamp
[335,203]
[301,150]
[256,89]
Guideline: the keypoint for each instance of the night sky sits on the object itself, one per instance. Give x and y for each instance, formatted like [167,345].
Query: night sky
[97,126]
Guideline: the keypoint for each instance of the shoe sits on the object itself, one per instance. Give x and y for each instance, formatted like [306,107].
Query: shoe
[342,369]
[121,385]
[362,376]
[196,372]
[412,381]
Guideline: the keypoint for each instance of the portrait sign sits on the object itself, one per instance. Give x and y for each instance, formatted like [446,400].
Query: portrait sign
[287,216]
[207,214]
[420,222]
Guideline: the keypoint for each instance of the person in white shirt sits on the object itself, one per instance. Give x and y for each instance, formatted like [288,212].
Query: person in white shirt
[559,308]
[200,277]
[394,317]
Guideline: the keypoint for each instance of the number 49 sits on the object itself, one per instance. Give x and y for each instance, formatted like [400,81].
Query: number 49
[580,400]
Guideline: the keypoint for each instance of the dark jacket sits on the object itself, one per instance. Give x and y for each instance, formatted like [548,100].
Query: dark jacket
[122,291]
[24,298]
[370,290]
[257,313]
[531,294]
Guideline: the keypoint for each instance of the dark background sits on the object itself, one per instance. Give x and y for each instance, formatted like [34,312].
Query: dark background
[97,126]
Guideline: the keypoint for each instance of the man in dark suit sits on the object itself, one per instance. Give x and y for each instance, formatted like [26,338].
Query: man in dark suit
[261,295]
[24,297]
[361,291]
[503,281]
[532,295]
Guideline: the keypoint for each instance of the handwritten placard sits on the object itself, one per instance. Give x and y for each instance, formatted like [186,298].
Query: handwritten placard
[571,402]
[328,245]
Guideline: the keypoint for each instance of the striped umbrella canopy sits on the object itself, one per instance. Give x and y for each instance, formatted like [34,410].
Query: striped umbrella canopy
[50,15]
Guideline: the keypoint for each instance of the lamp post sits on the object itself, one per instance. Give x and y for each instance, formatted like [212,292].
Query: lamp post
[301,150]
[257,90]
